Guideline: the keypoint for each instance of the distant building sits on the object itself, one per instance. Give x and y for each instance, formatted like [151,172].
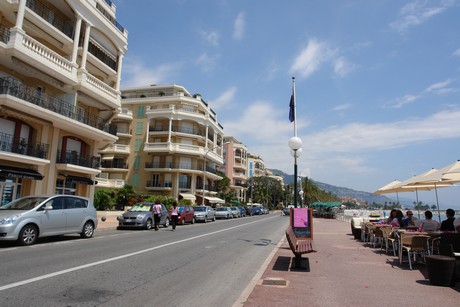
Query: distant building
[170,143]
[60,68]
[236,166]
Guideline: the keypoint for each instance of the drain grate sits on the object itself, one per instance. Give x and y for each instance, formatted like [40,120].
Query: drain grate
[274,282]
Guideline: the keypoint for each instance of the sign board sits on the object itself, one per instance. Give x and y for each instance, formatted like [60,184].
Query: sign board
[302,223]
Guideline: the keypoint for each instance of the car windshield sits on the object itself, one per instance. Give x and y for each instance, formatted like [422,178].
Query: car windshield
[181,208]
[200,209]
[222,209]
[140,208]
[24,203]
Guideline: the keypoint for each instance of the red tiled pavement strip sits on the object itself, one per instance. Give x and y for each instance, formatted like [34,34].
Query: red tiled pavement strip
[345,272]
[110,219]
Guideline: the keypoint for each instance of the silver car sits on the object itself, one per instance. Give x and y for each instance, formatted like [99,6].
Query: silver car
[141,216]
[224,213]
[204,214]
[28,218]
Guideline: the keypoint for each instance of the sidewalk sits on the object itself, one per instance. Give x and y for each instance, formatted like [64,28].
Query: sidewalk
[345,272]
[110,219]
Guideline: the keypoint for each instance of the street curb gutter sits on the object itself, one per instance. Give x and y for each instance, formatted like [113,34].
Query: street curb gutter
[248,290]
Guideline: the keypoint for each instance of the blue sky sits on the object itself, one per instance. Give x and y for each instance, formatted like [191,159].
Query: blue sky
[377,82]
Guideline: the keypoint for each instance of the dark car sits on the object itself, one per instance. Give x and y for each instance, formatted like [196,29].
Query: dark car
[248,210]
[141,216]
[256,210]
[186,215]
[242,210]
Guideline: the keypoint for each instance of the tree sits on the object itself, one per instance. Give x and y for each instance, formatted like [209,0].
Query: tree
[102,199]
[433,207]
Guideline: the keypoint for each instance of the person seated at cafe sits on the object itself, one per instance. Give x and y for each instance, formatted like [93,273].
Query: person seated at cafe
[398,219]
[428,224]
[391,217]
[448,224]
[409,219]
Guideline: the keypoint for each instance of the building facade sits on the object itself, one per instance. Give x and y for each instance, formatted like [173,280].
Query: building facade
[236,166]
[170,143]
[60,67]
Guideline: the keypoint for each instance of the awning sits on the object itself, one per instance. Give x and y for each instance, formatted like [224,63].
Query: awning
[16,172]
[214,200]
[78,179]
[108,157]
[188,196]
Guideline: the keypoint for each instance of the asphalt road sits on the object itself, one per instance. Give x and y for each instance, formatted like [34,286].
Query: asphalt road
[203,264]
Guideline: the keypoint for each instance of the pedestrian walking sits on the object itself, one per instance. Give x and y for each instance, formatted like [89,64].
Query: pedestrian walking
[174,215]
[157,214]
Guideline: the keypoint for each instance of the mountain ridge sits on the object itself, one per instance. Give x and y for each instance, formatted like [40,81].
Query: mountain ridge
[360,196]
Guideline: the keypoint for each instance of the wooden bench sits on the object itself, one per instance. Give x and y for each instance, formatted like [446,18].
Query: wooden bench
[298,246]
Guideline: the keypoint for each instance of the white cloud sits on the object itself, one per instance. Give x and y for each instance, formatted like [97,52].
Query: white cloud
[136,73]
[401,101]
[441,88]
[418,12]
[212,37]
[310,58]
[225,99]
[239,26]
[342,67]
[456,52]
[207,62]
[342,107]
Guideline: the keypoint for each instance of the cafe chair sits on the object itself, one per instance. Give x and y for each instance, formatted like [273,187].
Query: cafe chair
[388,239]
[413,245]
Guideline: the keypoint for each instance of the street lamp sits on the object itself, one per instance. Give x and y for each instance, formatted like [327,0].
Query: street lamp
[295,144]
[208,150]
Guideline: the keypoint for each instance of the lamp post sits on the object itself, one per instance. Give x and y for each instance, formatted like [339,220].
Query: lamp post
[295,144]
[208,150]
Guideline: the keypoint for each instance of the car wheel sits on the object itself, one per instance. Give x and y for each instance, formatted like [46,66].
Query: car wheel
[166,225]
[193,220]
[28,235]
[214,218]
[88,230]
[228,216]
[148,225]
[206,219]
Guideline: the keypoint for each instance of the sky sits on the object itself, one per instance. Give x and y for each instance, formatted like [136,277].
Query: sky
[377,82]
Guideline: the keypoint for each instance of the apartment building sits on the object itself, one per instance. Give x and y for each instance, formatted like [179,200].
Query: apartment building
[60,67]
[256,168]
[170,143]
[236,166]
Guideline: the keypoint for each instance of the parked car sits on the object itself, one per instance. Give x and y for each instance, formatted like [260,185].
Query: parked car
[204,214]
[141,216]
[242,210]
[28,218]
[256,210]
[224,213]
[186,215]
[264,210]
[248,210]
[235,211]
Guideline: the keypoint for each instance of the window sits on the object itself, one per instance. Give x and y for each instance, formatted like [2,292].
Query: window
[140,111]
[137,162]
[135,180]
[139,128]
[137,145]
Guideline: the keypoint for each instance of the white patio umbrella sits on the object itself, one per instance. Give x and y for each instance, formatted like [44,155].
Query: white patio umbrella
[438,179]
[389,188]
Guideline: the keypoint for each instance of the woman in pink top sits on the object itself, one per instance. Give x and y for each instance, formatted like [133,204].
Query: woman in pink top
[174,215]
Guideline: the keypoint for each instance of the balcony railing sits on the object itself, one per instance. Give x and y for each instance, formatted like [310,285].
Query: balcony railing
[75,158]
[15,88]
[178,165]
[4,34]
[110,18]
[21,146]
[53,17]
[114,164]
[159,184]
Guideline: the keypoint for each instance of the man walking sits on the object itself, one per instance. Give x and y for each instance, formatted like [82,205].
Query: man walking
[157,214]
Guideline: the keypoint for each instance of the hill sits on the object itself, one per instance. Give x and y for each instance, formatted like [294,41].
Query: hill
[340,191]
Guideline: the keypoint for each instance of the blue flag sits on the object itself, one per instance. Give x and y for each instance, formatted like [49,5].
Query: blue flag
[291,109]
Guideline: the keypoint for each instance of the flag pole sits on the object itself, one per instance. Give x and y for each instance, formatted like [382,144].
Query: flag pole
[295,110]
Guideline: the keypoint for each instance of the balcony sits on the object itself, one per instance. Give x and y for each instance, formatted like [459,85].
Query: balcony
[21,146]
[109,17]
[52,16]
[158,185]
[4,34]
[92,86]
[114,165]
[15,88]
[75,158]
[110,183]
[125,114]
[102,55]
[116,149]
[185,149]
